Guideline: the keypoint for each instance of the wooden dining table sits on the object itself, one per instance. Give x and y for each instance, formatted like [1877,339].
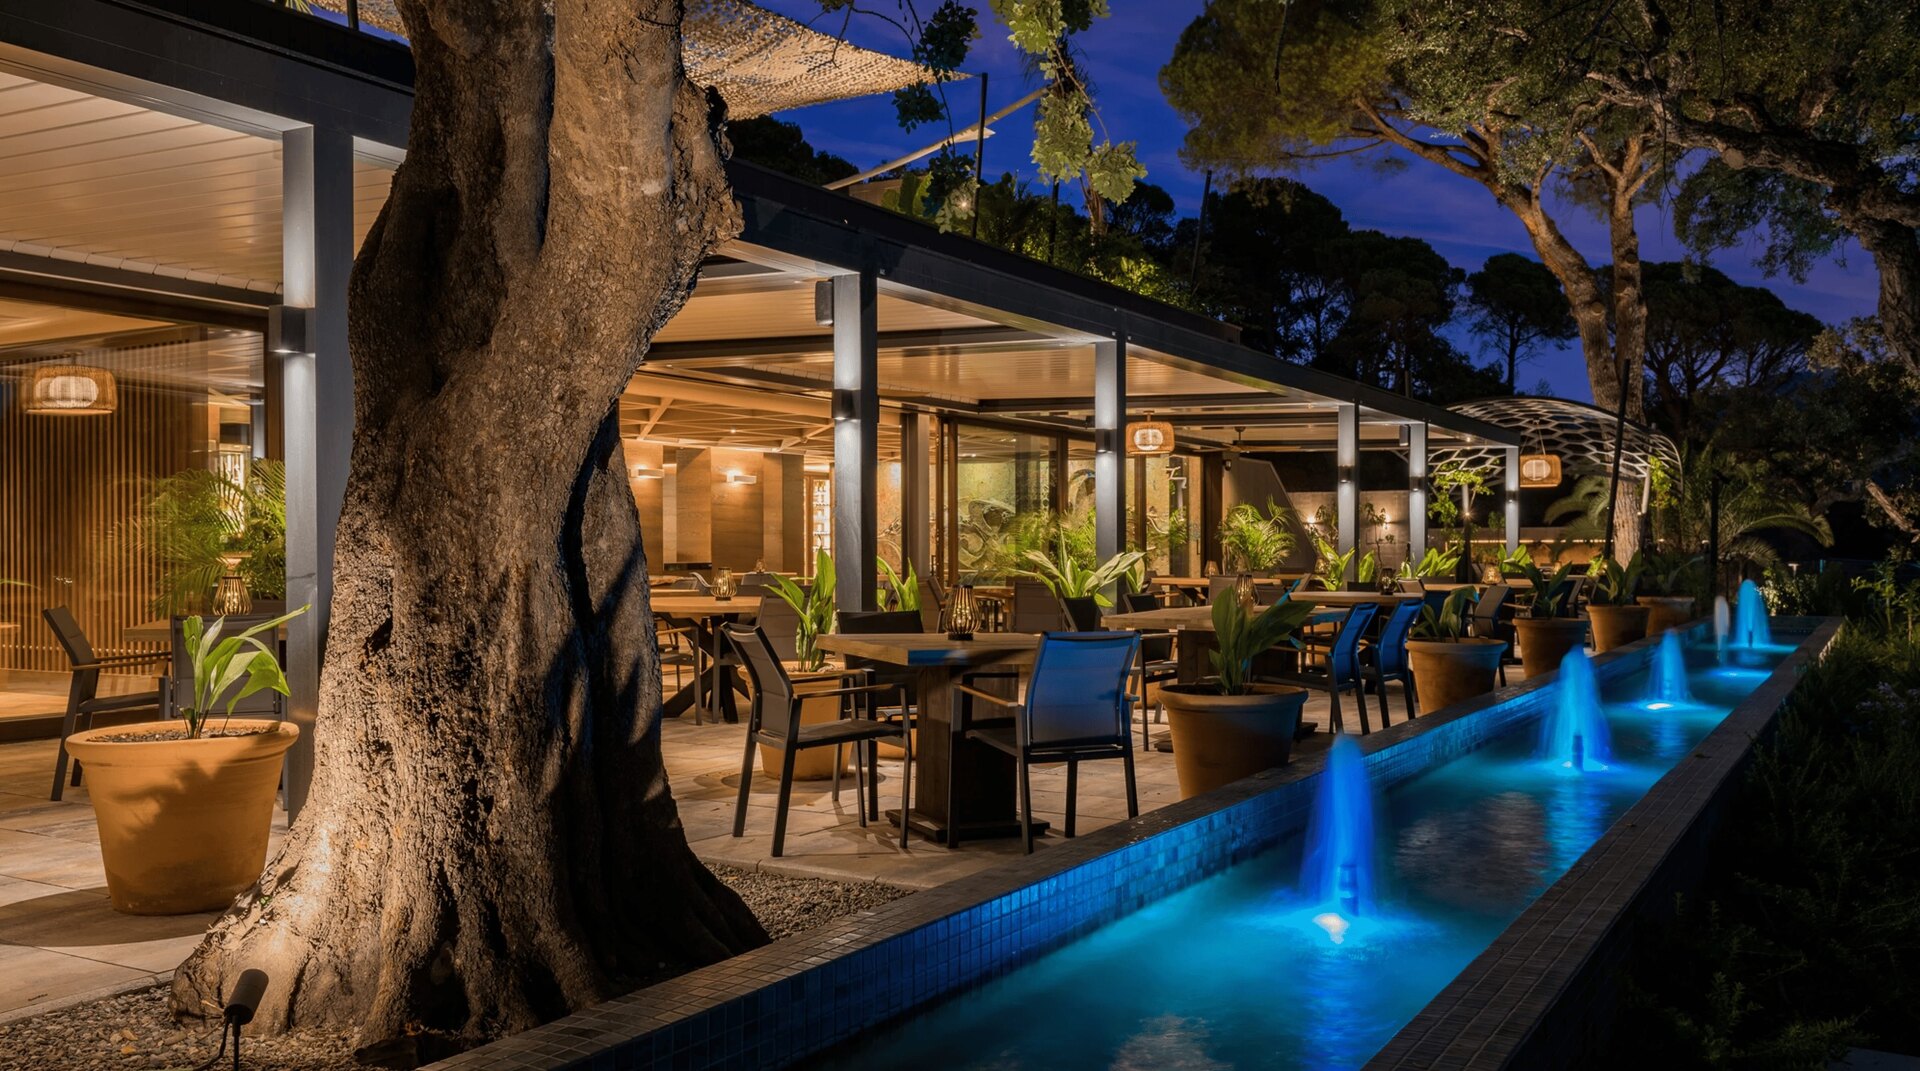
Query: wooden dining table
[981,779]
[712,687]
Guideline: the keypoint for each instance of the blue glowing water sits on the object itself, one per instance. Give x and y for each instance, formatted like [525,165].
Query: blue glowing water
[1338,875]
[1750,627]
[1722,621]
[1240,970]
[1667,682]
[1574,736]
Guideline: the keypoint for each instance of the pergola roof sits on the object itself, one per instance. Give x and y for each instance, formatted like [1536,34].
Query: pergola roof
[1581,434]
[760,61]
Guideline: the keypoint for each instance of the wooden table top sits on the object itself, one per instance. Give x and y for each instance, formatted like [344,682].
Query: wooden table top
[927,649]
[1204,581]
[1197,618]
[700,604]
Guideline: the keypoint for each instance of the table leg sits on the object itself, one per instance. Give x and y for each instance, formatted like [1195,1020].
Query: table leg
[982,778]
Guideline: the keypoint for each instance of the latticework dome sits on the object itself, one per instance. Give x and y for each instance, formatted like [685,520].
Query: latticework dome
[759,61]
[1582,435]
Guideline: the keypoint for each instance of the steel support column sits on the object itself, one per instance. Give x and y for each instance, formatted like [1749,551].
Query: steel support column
[915,539]
[1416,490]
[856,437]
[1513,498]
[1347,466]
[1109,455]
[316,399]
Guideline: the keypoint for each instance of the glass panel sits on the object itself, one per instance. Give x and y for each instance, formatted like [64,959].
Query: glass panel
[1004,498]
[167,456]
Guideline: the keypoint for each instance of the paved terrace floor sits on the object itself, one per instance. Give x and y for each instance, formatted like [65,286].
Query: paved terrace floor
[60,941]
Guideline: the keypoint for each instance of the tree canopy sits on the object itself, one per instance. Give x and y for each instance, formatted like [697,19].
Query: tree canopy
[1516,306]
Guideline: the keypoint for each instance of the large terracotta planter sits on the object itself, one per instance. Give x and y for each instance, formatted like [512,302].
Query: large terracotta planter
[1544,641]
[1446,672]
[1617,626]
[813,764]
[1666,611]
[1219,739]
[183,823]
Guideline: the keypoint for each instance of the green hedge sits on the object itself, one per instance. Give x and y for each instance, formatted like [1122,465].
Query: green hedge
[1805,938]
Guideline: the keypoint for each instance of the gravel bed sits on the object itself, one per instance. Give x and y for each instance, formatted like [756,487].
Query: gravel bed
[134,1030]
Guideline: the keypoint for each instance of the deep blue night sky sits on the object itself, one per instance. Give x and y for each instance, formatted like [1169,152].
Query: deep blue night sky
[1124,55]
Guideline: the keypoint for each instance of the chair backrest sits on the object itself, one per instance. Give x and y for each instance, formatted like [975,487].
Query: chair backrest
[774,710]
[881,622]
[1035,609]
[1139,602]
[780,623]
[261,702]
[1412,585]
[1078,692]
[1343,659]
[72,638]
[1082,613]
[1392,646]
[1488,608]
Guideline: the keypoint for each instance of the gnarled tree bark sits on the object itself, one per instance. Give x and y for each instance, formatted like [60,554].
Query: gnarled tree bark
[491,841]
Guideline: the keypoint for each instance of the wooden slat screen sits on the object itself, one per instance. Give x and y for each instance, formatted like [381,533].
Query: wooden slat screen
[64,483]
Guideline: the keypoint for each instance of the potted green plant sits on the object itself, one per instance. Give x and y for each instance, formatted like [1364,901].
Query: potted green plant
[1617,619]
[903,592]
[1330,566]
[1252,541]
[200,526]
[184,809]
[1067,578]
[1449,665]
[1434,564]
[814,604]
[1230,726]
[1669,583]
[1546,625]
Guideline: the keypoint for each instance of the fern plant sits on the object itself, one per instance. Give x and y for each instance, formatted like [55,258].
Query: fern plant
[194,521]
[1252,540]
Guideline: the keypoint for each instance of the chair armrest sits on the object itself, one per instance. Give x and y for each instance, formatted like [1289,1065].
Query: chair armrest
[996,700]
[125,660]
[992,675]
[830,675]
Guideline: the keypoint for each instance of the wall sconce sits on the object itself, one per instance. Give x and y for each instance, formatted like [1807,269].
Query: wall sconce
[641,472]
[846,405]
[742,477]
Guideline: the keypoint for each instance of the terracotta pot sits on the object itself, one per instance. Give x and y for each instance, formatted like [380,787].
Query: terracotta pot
[1219,739]
[1544,641]
[1446,672]
[1617,626]
[813,764]
[1666,611]
[183,823]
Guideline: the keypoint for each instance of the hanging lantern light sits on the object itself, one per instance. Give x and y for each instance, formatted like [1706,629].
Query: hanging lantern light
[1539,470]
[70,390]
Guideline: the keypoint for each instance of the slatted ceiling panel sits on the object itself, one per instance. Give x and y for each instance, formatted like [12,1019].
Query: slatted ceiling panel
[787,312]
[23,322]
[1062,372]
[122,185]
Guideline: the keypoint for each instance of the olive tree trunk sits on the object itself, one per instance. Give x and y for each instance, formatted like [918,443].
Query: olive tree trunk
[491,841]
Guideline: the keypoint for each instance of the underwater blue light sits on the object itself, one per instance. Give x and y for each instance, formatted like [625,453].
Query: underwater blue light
[1339,865]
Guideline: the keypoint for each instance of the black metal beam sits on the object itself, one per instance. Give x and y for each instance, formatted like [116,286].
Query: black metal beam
[89,286]
[1154,403]
[695,354]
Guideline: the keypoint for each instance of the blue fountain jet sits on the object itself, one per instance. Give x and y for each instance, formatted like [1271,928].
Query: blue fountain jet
[1667,683]
[1575,734]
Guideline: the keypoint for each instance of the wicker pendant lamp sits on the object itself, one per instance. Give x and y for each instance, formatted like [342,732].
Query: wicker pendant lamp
[70,390]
